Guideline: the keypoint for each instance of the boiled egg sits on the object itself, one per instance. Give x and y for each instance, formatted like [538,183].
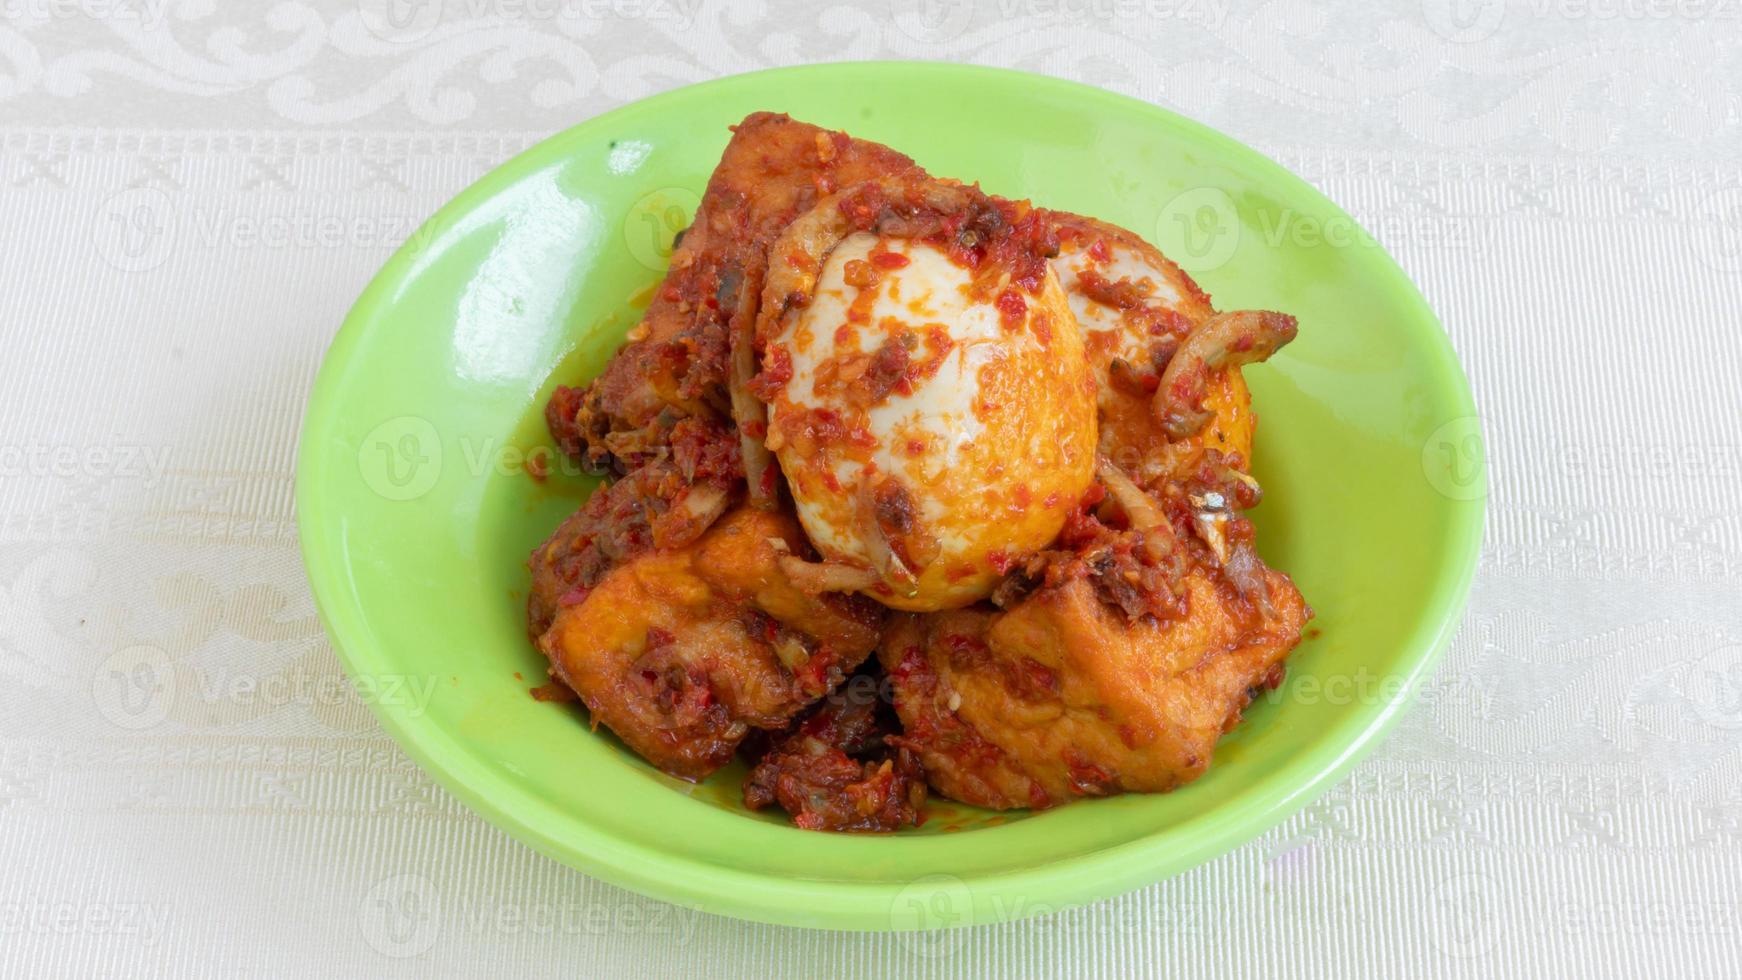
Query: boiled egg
[1135,308]
[932,430]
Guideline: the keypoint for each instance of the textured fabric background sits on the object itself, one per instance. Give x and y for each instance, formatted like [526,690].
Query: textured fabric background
[1563,178]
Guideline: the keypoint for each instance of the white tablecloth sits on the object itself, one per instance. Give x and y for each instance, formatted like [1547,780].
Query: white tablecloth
[193,193]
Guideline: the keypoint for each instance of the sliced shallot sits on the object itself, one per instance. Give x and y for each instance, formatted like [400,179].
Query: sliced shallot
[748,412]
[1141,511]
[818,577]
[1224,340]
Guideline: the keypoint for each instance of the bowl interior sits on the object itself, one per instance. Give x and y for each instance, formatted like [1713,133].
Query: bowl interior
[417,514]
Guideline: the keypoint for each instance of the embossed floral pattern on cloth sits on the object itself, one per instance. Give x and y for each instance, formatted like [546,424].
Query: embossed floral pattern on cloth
[195,192]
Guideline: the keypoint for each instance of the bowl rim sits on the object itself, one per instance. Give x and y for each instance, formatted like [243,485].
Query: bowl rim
[820,901]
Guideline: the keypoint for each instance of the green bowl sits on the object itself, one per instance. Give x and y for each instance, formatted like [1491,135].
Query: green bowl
[416,513]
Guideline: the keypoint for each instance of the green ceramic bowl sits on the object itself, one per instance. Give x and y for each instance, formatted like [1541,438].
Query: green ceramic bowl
[416,514]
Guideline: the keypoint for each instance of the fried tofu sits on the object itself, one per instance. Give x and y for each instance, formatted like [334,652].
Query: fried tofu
[1061,697]
[773,170]
[681,652]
